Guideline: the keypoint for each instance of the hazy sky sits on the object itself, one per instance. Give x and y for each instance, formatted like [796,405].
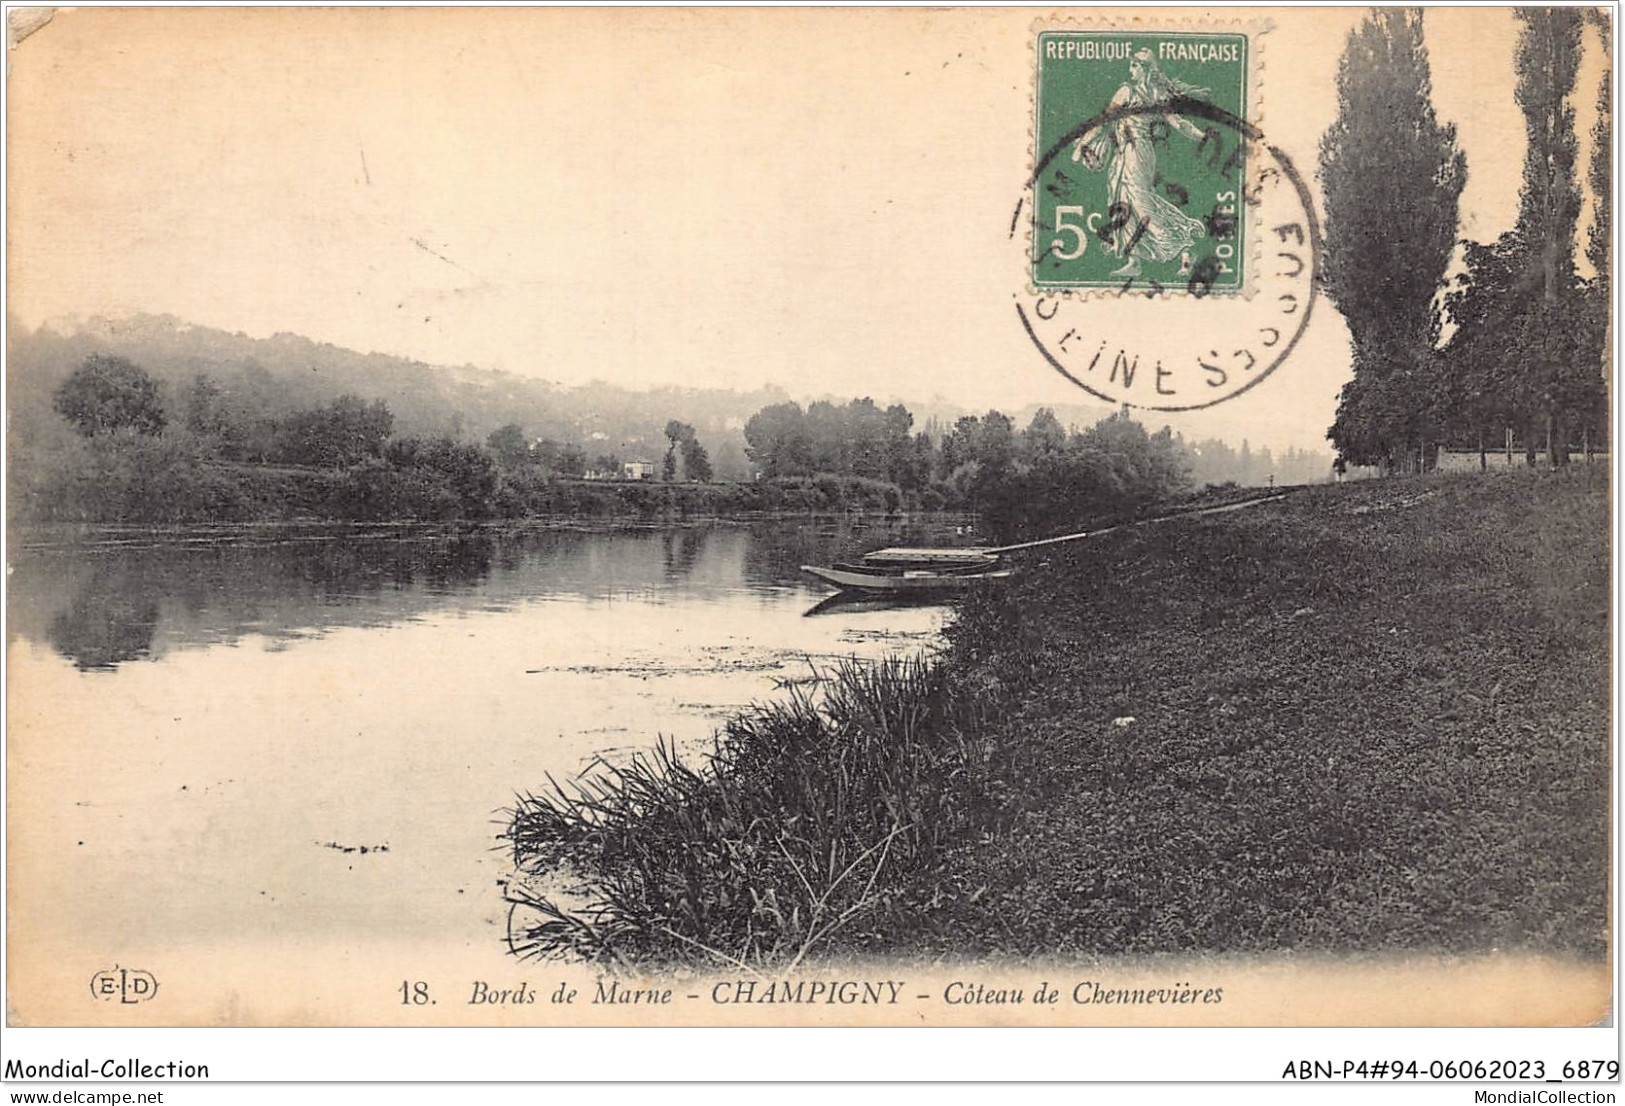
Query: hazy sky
[814,198]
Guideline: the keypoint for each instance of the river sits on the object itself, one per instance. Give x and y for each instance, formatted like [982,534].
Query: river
[275,735]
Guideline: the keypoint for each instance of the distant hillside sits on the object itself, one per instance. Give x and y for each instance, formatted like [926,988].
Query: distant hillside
[277,376]
[286,373]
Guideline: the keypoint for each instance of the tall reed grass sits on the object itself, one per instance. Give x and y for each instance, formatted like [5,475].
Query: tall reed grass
[811,818]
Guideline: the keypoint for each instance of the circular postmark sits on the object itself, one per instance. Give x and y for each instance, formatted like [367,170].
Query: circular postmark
[1171,283]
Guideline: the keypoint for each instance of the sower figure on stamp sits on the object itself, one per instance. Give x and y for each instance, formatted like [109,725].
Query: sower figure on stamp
[1143,226]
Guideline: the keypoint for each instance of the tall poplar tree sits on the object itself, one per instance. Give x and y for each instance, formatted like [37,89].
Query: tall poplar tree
[1599,241]
[1548,338]
[1392,178]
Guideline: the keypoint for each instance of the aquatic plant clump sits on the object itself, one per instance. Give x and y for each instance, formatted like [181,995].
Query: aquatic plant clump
[812,813]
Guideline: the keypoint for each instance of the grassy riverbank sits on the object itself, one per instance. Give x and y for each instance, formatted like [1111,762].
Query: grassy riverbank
[1368,717]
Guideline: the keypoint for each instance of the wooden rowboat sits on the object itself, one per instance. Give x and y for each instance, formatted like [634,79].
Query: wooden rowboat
[922,580]
[913,570]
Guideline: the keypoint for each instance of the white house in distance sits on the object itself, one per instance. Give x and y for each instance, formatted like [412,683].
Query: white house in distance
[638,470]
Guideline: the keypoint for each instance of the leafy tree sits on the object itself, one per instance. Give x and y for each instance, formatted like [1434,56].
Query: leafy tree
[508,445]
[996,441]
[209,417]
[988,442]
[1485,376]
[1530,334]
[676,434]
[1392,178]
[956,444]
[343,433]
[107,393]
[898,450]
[442,478]
[826,433]
[865,430]
[916,464]
[1111,469]
[1145,467]
[696,463]
[857,438]
[778,441]
[1044,435]
[546,453]
[572,461]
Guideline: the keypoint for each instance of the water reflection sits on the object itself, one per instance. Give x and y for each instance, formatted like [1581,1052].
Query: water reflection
[682,550]
[101,606]
[341,571]
[850,602]
[113,598]
[104,627]
[210,725]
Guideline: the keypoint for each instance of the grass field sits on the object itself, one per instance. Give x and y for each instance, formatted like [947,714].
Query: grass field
[1368,717]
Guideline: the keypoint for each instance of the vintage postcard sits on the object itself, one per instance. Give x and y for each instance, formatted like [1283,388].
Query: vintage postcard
[867,517]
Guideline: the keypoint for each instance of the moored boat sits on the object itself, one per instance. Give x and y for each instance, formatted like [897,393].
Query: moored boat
[936,557]
[864,578]
[922,571]
[913,570]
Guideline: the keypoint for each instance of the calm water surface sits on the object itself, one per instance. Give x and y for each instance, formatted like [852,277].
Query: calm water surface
[281,734]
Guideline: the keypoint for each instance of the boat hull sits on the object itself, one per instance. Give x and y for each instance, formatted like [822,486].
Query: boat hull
[921,582]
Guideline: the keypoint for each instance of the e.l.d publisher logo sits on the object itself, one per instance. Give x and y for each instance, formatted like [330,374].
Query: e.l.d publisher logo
[126,986]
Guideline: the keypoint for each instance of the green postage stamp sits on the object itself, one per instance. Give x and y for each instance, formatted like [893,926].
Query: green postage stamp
[1140,161]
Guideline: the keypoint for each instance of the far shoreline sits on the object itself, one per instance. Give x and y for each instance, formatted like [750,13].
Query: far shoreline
[31,534]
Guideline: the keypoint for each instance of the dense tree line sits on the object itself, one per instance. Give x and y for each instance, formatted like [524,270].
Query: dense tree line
[857,439]
[1022,482]
[1515,342]
[125,449]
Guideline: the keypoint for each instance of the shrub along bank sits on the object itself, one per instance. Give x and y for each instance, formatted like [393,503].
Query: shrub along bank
[129,478]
